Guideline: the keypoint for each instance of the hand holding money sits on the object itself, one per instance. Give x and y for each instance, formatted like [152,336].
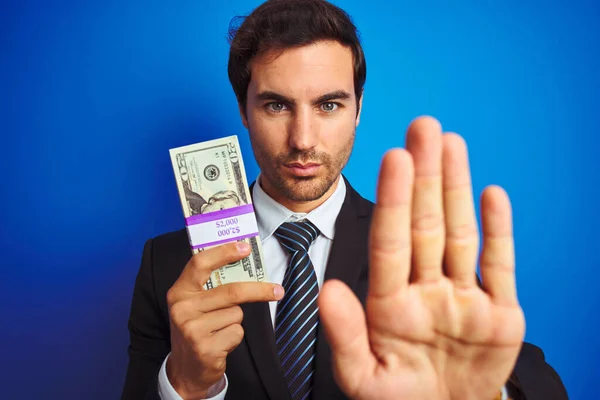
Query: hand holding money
[206,324]
[216,203]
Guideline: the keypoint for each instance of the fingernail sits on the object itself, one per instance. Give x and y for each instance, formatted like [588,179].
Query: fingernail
[278,290]
[243,247]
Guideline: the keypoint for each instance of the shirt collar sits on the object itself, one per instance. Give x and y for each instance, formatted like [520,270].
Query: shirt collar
[270,214]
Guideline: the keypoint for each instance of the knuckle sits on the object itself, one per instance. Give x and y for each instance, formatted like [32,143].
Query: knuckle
[234,293]
[203,349]
[238,314]
[463,233]
[389,246]
[496,265]
[428,223]
[197,262]
[463,279]
[188,331]
[177,312]
[237,332]
[171,296]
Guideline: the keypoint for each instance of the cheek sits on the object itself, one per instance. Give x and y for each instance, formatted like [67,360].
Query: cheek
[267,135]
[337,132]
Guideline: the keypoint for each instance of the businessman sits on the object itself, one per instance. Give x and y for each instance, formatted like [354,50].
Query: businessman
[364,301]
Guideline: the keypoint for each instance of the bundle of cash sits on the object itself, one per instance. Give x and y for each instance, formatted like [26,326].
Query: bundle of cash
[217,206]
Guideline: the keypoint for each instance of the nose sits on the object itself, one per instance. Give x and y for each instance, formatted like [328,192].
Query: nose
[303,129]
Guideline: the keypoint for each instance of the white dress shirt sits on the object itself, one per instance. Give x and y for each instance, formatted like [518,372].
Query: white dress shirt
[270,214]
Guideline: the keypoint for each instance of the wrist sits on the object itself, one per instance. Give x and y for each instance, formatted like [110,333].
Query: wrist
[217,387]
[187,389]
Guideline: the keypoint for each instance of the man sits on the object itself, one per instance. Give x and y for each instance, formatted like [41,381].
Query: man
[375,302]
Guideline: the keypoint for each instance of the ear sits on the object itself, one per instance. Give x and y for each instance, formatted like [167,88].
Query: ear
[243,115]
[360,102]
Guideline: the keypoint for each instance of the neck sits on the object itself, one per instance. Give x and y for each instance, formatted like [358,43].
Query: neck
[297,206]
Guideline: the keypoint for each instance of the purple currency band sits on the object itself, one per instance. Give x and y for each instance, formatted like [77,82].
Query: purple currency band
[217,215]
[218,242]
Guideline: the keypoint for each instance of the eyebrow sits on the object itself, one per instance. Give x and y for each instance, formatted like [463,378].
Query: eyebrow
[274,96]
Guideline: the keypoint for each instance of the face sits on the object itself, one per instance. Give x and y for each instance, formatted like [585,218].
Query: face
[221,201]
[219,205]
[301,115]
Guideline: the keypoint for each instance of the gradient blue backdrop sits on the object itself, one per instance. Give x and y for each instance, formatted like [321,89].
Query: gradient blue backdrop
[93,94]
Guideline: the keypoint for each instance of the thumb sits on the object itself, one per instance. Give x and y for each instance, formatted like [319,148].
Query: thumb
[345,326]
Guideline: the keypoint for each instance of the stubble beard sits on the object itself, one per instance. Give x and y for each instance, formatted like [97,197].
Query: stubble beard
[303,189]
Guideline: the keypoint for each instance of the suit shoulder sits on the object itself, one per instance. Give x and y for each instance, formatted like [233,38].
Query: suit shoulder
[170,252]
[363,207]
[171,248]
[531,350]
[366,206]
[538,379]
[171,240]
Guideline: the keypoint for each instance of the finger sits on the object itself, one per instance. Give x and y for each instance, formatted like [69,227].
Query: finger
[198,269]
[228,338]
[389,235]
[462,236]
[214,321]
[345,327]
[424,142]
[497,261]
[233,294]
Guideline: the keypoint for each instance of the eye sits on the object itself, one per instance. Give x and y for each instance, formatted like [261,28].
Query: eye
[275,107]
[329,106]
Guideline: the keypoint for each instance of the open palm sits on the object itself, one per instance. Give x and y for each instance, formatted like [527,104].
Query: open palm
[429,332]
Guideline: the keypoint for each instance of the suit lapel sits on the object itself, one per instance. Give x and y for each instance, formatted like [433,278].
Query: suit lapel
[258,332]
[345,263]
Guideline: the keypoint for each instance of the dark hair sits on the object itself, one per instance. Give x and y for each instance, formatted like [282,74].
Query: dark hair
[277,25]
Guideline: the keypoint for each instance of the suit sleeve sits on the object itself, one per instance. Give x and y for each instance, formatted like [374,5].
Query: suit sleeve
[537,379]
[149,341]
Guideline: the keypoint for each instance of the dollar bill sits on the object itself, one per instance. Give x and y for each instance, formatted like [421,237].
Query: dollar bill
[211,177]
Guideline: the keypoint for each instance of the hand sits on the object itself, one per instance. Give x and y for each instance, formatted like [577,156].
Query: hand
[429,331]
[206,325]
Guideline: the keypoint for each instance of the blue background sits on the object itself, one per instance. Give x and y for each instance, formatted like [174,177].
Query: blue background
[93,94]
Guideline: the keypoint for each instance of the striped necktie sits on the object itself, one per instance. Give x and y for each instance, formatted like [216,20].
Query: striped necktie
[297,313]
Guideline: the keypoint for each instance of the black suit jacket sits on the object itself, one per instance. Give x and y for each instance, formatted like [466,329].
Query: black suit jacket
[253,368]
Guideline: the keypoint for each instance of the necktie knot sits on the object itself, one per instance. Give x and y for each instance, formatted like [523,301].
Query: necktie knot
[297,236]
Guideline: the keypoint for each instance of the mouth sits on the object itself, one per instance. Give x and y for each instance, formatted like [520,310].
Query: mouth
[299,169]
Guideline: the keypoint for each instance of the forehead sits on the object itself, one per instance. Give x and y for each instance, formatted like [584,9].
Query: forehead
[309,70]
